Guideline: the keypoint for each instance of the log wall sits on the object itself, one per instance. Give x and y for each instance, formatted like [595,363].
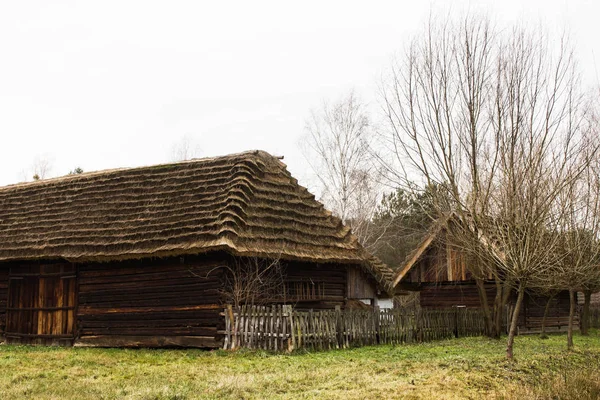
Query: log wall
[330,280]
[3,298]
[359,285]
[178,301]
[173,302]
[532,312]
[454,294]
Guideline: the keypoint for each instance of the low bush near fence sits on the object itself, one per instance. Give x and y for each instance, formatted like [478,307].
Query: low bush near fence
[282,328]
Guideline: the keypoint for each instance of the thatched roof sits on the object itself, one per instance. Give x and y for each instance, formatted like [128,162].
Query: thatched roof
[247,204]
[417,252]
[442,224]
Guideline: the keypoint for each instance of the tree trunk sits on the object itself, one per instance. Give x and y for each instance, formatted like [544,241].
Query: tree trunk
[585,313]
[572,298]
[514,321]
[487,314]
[546,315]
[498,308]
[504,290]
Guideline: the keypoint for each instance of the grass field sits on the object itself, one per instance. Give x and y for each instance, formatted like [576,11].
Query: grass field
[460,368]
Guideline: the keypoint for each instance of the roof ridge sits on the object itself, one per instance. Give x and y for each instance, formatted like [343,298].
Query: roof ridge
[42,182]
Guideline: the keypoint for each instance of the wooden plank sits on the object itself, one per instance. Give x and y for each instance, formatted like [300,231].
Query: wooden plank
[93,271]
[449,264]
[151,331]
[147,341]
[62,274]
[57,308]
[41,322]
[35,335]
[90,310]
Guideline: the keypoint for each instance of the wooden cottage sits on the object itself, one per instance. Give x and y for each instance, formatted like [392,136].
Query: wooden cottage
[149,256]
[594,299]
[440,273]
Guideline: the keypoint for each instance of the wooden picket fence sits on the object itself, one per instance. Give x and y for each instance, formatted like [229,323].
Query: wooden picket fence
[281,328]
[257,327]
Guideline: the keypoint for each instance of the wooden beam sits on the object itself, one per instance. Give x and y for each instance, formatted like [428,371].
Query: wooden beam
[411,287]
[449,262]
[33,335]
[148,341]
[414,258]
[91,310]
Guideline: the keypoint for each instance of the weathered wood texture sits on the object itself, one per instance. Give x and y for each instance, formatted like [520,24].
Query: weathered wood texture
[41,303]
[439,263]
[148,341]
[441,274]
[594,316]
[532,313]
[3,298]
[454,294]
[149,303]
[283,328]
[594,300]
[359,285]
[324,284]
[532,310]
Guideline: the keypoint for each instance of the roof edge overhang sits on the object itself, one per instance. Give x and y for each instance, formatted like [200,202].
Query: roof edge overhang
[225,247]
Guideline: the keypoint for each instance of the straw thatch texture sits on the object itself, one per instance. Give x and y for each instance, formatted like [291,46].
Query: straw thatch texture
[247,204]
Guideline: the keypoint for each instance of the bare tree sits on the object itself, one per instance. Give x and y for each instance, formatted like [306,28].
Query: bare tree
[337,147]
[538,121]
[41,167]
[436,101]
[185,149]
[591,199]
[253,281]
[592,285]
[493,119]
[578,268]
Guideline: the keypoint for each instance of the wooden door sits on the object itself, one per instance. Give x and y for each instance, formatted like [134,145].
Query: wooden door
[41,304]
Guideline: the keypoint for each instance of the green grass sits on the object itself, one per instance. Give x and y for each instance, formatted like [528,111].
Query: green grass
[461,368]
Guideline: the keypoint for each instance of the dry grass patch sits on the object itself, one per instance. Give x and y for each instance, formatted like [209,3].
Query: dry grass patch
[451,369]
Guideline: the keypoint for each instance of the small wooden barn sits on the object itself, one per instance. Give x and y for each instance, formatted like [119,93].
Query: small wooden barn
[149,256]
[594,299]
[440,273]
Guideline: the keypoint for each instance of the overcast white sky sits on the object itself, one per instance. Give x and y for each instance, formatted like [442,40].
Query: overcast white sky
[108,84]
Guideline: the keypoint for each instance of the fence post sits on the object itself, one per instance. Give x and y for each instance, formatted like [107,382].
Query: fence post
[456,330]
[376,323]
[339,330]
[227,330]
[231,338]
[292,339]
[419,326]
